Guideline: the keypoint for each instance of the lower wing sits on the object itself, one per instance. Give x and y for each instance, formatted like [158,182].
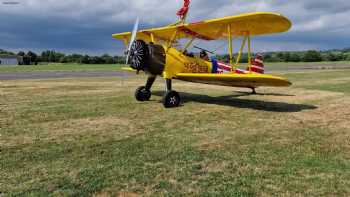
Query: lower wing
[250,80]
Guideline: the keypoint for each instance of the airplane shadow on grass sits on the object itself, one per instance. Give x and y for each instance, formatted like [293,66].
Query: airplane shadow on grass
[235,101]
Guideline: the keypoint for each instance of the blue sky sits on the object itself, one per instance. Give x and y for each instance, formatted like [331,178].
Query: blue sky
[85,26]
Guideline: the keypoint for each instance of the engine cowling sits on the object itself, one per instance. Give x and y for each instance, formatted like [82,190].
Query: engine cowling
[149,58]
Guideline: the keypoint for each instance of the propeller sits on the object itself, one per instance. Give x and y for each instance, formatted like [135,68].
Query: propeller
[132,39]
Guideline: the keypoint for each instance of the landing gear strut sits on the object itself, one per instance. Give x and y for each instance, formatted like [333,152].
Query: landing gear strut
[143,93]
[171,98]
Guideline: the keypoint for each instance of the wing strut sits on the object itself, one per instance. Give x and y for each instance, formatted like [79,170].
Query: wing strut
[188,44]
[152,38]
[249,54]
[171,41]
[241,50]
[229,31]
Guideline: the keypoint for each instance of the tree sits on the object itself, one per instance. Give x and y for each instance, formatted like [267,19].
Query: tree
[64,59]
[26,60]
[294,57]
[21,53]
[44,56]
[280,56]
[4,52]
[346,56]
[107,59]
[287,57]
[119,60]
[85,59]
[267,57]
[51,57]
[32,57]
[273,58]
[312,56]
[334,56]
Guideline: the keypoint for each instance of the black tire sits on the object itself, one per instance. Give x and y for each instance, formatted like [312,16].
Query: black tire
[141,94]
[139,54]
[171,99]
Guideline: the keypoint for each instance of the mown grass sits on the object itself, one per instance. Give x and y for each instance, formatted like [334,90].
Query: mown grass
[293,66]
[61,67]
[309,63]
[90,137]
[332,80]
[113,67]
[341,87]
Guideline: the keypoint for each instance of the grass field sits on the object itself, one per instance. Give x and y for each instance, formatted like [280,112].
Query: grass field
[114,67]
[88,136]
[309,63]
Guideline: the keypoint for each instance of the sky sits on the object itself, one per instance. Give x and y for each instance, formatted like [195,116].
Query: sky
[86,26]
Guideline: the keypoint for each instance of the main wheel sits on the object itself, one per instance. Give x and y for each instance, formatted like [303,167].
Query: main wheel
[142,94]
[171,99]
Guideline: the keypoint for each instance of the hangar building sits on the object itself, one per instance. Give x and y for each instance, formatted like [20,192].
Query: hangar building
[9,60]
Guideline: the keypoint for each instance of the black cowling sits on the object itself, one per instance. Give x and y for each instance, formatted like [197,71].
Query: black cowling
[147,57]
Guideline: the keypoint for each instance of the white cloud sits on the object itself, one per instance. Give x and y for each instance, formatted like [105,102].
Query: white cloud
[307,15]
[70,20]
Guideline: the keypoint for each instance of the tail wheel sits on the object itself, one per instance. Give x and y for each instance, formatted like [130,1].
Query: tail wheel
[138,55]
[142,94]
[171,99]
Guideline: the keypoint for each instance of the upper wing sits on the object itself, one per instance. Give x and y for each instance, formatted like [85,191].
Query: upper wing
[257,23]
[235,80]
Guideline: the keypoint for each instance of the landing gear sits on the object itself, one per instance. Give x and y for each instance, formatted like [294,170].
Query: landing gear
[171,98]
[143,93]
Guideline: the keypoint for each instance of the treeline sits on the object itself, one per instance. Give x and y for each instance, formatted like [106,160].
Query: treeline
[4,52]
[51,56]
[299,56]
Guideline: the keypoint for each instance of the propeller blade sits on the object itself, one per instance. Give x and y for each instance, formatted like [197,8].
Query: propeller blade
[132,39]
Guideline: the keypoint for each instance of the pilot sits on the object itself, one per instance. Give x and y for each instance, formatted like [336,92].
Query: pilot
[204,55]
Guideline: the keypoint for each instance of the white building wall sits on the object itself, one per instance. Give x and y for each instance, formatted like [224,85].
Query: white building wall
[9,61]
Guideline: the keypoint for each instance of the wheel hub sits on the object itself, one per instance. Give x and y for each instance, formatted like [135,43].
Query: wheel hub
[173,100]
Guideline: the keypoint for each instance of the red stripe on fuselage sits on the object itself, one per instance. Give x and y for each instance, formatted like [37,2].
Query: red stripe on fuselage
[258,68]
[224,66]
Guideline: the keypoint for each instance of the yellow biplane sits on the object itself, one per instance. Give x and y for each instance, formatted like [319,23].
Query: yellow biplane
[154,51]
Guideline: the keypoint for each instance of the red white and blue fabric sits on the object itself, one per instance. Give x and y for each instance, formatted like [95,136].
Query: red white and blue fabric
[226,68]
[257,67]
[258,64]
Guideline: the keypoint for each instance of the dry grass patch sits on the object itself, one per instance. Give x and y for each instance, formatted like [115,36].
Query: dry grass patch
[105,128]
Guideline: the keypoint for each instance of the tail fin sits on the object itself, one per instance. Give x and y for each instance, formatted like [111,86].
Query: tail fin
[258,64]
